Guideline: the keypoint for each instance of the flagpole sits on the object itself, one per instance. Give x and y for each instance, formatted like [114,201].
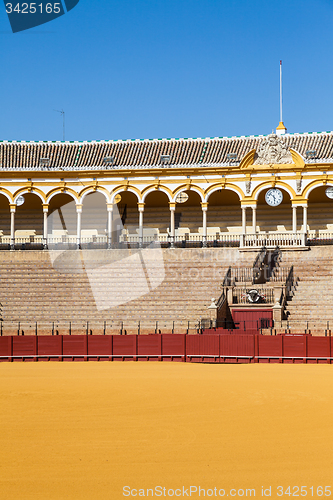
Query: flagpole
[281,120]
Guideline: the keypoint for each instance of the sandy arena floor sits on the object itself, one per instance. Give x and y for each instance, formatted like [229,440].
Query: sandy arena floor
[86,430]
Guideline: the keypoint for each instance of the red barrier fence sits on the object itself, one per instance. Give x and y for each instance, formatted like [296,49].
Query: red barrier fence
[167,347]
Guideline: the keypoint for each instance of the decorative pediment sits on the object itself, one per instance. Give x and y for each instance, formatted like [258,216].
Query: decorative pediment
[272,151]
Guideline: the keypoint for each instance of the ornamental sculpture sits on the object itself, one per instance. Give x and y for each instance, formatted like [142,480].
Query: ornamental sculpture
[272,151]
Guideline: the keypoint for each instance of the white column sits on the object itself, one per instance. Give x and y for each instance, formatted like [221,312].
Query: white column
[294,219]
[110,220]
[305,219]
[254,219]
[305,224]
[141,208]
[172,207]
[204,223]
[45,212]
[244,220]
[12,226]
[78,225]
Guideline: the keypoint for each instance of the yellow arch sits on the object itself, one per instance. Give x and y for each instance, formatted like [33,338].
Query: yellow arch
[188,187]
[28,190]
[314,184]
[51,194]
[125,187]
[150,189]
[222,185]
[268,184]
[7,194]
[94,189]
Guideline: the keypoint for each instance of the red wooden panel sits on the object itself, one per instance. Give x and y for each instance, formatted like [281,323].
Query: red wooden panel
[202,348]
[25,346]
[49,346]
[99,345]
[294,345]
[270,346]
[6,348]
[124,347]
[237,345]
[75,346]
[149,345]
[173,346]
[319,347]
[216,331]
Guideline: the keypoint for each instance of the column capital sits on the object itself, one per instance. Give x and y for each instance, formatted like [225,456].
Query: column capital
[109,206]
[79,207]
[172,205]
[141,207]
[204,206]
[12,207]
[45,207]
[246,204]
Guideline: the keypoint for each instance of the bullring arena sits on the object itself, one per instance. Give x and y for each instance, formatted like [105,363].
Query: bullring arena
[193,253]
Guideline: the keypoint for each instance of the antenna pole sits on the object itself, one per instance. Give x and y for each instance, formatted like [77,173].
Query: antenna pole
[281,120]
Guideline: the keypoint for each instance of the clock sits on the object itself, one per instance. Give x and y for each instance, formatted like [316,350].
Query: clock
[329,192]
[274,197]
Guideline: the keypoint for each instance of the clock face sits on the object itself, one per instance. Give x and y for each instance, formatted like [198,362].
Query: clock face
[329,192]
[274,197]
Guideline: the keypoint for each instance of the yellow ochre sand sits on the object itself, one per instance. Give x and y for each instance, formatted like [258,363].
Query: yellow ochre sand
[86,430]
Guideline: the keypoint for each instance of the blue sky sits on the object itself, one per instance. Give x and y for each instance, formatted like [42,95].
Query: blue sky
[165,68]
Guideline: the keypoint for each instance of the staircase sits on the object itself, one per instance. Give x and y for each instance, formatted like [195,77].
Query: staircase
[313,299]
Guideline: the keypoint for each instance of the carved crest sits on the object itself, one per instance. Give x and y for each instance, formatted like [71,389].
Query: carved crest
[272,151]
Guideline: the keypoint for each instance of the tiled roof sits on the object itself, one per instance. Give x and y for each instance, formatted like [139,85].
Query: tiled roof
[141,154]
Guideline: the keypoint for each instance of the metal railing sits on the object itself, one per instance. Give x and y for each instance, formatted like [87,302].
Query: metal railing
[244,296]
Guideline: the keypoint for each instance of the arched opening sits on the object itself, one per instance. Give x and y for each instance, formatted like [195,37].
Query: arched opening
[94,218]
[61,217]
[188,215]
[320,211]
[274,219]
[125,214]
[4,219]
[29,219]
[156,217]
[224,212]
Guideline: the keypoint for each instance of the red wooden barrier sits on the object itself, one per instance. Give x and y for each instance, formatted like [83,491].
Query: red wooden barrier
[270,349]
[124,347]
[100,348]
[203,348]
[196,348]
[6,348]
[25,348]
[237,348]
[75,347]
[49,348]
[318,348]
[149,347]
[294,348]
[173,347]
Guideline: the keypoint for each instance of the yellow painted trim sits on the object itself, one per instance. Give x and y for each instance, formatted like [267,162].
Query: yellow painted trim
[247,160]
[188,187]
[30,189]
[297,159]
[124,188]
[276,183]
[318,183]
[224,185]
[152,187]
[281,126]
[94,189]
[59,190]
[10,196]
